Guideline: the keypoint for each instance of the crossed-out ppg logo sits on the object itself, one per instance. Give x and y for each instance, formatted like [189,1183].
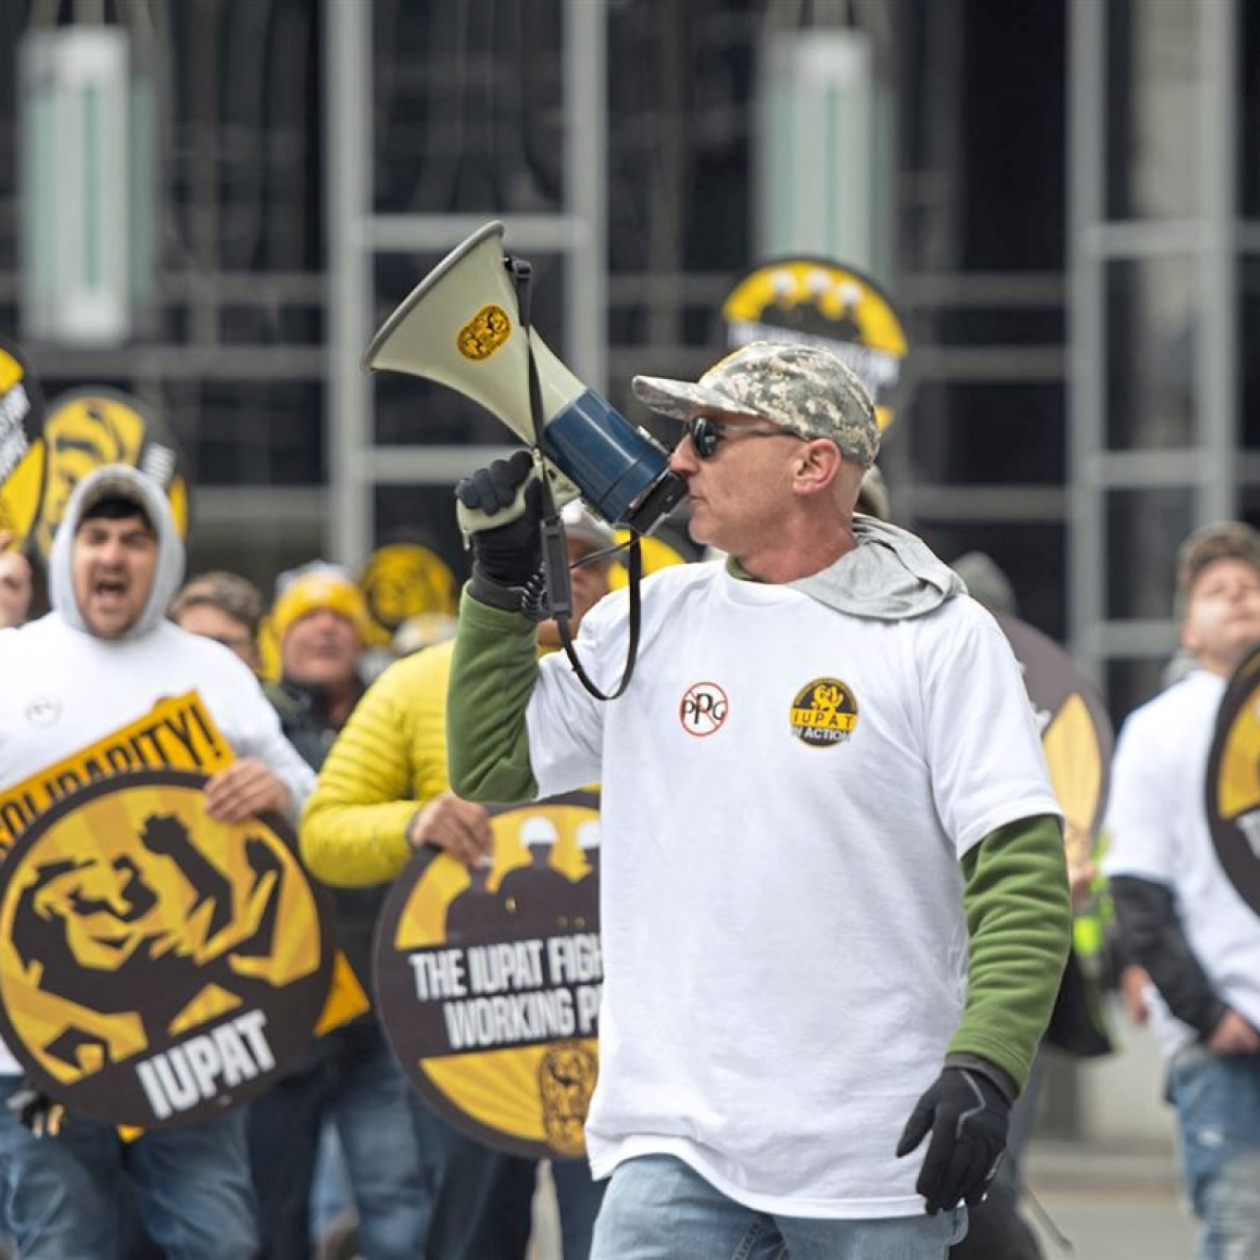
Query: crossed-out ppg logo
[824,713]
[703,708]
[157,966]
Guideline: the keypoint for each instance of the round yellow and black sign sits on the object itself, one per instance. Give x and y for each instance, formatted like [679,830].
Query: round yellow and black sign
[21,408]
[83,430]
[484,333]
[816,301]
[401,580]
[1233,782]
[157,966]
[824,713]
[488,981]
[1076,734]
[20,493]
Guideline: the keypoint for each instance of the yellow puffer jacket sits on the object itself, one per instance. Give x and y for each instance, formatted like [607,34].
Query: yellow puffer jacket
[388,760]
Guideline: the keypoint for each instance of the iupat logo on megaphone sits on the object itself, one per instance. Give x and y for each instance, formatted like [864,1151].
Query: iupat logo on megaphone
[461,327]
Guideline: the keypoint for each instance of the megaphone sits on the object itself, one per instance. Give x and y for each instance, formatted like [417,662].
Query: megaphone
[461,326]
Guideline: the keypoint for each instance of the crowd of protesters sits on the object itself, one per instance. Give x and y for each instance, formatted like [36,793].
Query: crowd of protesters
[342,1156]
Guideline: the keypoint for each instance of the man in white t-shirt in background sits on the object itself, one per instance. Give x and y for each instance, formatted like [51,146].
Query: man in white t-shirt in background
[834,907]
[1179,914]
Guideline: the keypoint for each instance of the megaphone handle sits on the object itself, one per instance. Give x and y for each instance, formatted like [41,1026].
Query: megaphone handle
[555,550]
[555,553]
[522,275]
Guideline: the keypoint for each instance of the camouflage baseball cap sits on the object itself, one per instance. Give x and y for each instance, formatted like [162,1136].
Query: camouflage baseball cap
[801,388]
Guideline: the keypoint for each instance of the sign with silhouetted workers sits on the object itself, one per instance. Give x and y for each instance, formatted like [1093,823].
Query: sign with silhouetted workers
[488,980]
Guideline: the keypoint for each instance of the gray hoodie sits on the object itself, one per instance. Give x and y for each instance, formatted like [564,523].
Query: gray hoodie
[121,481]
[890,575]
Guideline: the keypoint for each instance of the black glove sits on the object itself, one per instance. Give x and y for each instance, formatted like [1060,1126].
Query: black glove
[35,1110]
[506,557]
[968,1116]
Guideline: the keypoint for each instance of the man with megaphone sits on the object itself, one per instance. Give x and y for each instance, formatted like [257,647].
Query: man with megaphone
[834,902]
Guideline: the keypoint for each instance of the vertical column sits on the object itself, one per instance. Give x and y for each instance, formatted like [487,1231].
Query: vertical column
[586,186]
[1216,369]
[350,427]
[1086,527]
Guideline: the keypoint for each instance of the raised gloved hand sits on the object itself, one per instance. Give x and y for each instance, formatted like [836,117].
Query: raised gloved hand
[36,1111]
[500,510]
[968,1116]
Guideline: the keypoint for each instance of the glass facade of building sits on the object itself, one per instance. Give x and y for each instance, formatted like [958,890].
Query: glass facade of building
[469,117]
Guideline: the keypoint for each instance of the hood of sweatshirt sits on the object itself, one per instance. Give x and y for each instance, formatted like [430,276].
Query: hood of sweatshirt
[122,481]
[891,575]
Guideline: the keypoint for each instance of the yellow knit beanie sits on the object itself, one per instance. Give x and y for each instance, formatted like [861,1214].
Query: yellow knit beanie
[316,589]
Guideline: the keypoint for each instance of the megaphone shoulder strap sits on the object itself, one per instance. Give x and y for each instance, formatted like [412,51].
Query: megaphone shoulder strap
[554,547]
[634,566]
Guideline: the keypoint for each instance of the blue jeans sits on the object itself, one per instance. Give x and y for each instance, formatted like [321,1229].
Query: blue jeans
[658,1208]
[483,1198]
[69,1196]
[1217,1098]
[351,1077]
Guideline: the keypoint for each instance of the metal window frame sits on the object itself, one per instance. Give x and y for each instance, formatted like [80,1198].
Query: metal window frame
[1214,238]
[357,464]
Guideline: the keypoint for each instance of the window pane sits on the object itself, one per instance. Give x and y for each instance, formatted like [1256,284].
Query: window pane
[1150,357]
[1144,530]
[1248,52]
[998,433]
[1032,557]
[1131,683]
[467,106]
[1153,66]
[258,553]
[1249,350]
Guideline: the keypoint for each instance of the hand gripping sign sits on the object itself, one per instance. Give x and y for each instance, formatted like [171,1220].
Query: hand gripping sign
[157,966]
[488,980]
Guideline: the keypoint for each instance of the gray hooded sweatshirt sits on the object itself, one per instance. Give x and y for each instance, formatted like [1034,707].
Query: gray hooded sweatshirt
[62,687]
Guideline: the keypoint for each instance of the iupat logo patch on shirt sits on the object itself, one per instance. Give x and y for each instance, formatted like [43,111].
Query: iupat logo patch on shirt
[824,712]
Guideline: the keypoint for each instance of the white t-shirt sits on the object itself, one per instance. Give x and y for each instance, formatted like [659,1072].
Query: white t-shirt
[62,689]
[784,941]
[1157,830]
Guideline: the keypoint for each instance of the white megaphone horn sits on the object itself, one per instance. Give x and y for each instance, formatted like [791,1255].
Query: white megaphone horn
[461,326]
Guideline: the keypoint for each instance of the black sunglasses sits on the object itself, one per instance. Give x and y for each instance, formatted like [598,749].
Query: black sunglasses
[706,433]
